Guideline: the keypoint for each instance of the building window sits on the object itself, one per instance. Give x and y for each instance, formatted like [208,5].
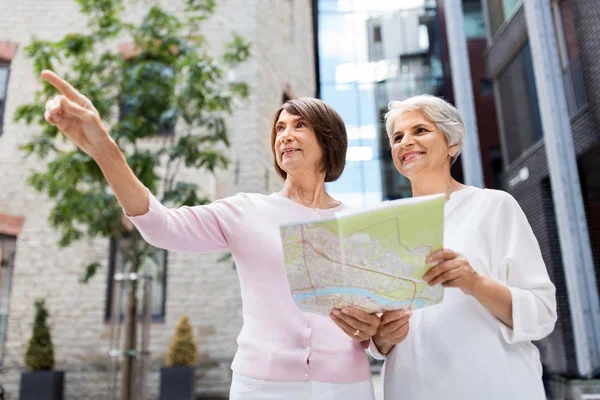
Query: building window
[500,11]
[4,71]
[519,105]
[589,165]
[7,257]
[423,37]
[566,34]
[377,34]
[568,50]
[474,24]
[486,87]
[155,266]
[497,165]
[508,7]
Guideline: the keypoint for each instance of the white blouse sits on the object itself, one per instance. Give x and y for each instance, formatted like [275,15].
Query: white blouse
[458,350]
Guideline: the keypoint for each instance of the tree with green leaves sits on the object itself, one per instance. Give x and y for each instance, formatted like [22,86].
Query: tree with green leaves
[40,351]
[164,108]
[183,351]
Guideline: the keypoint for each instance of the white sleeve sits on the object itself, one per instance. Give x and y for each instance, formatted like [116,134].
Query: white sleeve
[374,352]
[517,261]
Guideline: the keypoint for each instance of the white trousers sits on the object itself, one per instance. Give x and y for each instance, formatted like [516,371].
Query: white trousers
[245,388]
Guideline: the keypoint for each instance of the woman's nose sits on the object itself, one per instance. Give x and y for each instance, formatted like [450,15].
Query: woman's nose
[407,140]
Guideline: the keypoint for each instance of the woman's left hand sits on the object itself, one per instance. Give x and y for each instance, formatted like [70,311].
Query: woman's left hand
[357,324]
[453,270]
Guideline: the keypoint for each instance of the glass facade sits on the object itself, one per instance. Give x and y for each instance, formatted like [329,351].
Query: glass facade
[373,52]
[519,105]
[500,11]
[474,23]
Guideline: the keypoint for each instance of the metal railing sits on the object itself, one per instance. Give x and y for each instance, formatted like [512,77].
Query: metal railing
[574,87]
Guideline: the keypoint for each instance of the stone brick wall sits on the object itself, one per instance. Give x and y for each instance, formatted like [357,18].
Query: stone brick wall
[208,291]
[535,194]
[535,198]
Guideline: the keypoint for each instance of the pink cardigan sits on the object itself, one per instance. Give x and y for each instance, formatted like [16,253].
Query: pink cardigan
[278,342]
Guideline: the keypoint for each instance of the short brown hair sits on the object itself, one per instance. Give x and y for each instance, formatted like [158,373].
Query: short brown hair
[329,129]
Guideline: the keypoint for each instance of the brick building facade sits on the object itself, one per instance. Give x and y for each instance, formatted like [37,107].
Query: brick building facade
[283,56]
[526,171]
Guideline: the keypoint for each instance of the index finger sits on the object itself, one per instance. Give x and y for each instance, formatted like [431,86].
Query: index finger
[360,315]
[62,86]
[444,254]
[391,316]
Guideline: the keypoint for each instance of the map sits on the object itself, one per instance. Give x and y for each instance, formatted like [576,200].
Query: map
[371,259]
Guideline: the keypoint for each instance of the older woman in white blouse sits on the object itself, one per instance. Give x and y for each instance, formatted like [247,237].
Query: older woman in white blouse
[476,344]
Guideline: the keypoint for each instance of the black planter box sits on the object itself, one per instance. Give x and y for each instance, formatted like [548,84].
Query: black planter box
[42,385]
[177,383]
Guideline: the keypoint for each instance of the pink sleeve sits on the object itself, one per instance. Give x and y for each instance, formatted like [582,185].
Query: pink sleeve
[199,229]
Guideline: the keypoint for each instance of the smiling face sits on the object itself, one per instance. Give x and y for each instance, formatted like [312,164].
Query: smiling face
[296,146]
[418,146]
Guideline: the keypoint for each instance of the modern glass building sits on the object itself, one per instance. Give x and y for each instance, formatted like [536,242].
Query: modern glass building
[372,52]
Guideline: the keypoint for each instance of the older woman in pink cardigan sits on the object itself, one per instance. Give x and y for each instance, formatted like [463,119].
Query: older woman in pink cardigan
[283,353]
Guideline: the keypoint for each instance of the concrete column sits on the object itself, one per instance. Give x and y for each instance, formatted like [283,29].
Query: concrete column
[566,188]
[485,9]
[463,91]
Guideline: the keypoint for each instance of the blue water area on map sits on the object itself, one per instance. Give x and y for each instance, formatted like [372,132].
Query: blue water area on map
[298,297]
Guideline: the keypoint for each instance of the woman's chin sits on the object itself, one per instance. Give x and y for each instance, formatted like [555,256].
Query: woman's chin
[409,170]
[289,166]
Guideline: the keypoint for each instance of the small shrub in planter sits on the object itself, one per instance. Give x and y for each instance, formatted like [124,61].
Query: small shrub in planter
[177,378]
[41,382]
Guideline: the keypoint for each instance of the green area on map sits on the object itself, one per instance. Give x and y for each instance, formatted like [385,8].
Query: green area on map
[371,259]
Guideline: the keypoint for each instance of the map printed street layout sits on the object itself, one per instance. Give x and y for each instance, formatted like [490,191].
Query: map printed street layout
[371,259]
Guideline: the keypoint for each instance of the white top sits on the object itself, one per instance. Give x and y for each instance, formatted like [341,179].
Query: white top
[458,350]
[245,388]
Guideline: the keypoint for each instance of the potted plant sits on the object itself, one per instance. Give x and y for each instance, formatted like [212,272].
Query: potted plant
[177,379]
[41,382]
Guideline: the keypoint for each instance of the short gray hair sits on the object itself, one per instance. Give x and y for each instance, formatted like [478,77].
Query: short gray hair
[443,114]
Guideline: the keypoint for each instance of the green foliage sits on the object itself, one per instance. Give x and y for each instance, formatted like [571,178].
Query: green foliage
[183,351]
[40,351]
[171,80]
[90,271]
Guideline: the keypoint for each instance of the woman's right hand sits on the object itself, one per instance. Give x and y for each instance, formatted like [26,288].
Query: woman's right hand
[393,329]
[75,116]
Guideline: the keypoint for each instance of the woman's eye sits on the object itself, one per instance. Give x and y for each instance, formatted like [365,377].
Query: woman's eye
[301,125]
[397,138]
[422,130]
[279,129]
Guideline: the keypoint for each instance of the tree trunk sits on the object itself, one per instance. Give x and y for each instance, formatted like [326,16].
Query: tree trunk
[130,345]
